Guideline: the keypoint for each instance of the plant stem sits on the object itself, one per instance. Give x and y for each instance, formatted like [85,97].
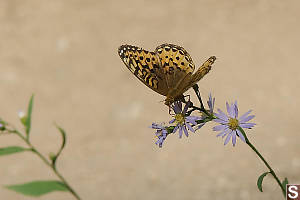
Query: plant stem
[34,150]
[196,89]
[264,161]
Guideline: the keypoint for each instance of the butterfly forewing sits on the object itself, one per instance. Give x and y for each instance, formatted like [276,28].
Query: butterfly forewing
[145,66]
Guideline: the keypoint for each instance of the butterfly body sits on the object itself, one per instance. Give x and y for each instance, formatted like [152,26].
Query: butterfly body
[168,70]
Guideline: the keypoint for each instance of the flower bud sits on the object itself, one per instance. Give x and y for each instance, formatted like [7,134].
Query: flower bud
[23,117]
[52,156]
[2,127]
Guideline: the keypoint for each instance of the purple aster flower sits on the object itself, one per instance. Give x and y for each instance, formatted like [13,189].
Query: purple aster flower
[211,103]
[183,123]
[229,124]
[161,133]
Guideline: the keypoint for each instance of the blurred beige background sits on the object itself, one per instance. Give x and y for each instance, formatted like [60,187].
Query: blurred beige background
[65,52]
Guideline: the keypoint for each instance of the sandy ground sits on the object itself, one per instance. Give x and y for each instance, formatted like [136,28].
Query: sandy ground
[65,52]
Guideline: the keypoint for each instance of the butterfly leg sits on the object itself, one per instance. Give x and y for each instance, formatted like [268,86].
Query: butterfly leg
[188,97]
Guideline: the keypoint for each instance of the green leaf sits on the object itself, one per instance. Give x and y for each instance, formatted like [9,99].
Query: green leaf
[28,117]
[38,188]
[10,150]
[63,135]
[260,180]
[284,183]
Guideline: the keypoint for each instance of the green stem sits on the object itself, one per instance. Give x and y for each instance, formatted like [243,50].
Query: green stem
[34,150]
[264,161]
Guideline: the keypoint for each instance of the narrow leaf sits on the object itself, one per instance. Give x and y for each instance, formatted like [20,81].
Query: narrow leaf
[63,135]
[284,183]
[10,150]
[260,180]
[28,118]
[38,188]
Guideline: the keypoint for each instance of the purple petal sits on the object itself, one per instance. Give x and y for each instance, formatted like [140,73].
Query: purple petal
[247,118]
[192,119]
[199,126]
[177,107]
[190,127]
[185,131]
[209,100]
[227,138]
[211,103]
[219,127]
[230,110]
[187,105]
[236,111]
[159,142]
[221,134]
[172,121]
[233,138]
[222,115]
[245,115]
[220,121]
[247,125]
[164,133]
[175,129]
[156,126]
[224,132]
[180,131]
[240,134]
[227,131]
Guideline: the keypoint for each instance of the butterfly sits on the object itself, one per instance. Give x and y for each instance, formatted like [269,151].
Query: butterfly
[168,70]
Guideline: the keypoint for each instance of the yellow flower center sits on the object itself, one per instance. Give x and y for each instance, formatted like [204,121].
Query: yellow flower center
[233,123]
[179,118]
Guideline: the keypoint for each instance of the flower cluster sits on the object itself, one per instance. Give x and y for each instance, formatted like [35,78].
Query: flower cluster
[161,133]
[229,125]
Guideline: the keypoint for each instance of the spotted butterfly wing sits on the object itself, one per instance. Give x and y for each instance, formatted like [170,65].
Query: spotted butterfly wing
[177,66]
[145,66]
